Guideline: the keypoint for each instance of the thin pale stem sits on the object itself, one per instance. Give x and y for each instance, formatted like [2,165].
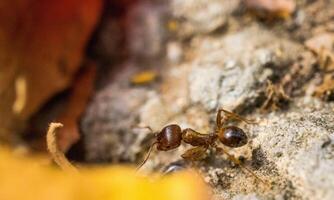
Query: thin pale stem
[57,155]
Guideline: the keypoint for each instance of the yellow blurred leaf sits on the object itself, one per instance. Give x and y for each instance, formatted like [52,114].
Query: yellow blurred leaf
[28,179]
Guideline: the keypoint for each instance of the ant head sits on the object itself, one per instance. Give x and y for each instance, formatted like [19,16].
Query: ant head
[232,136]
[169,137]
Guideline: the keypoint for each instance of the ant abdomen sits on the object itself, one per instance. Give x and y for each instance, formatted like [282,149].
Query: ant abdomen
[169,137]
[232,136]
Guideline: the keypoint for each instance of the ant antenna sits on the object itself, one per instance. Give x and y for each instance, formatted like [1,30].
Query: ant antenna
[237,162]
[142,127]
[147,156]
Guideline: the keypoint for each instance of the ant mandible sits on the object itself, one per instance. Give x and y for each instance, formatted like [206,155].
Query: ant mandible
[171,136]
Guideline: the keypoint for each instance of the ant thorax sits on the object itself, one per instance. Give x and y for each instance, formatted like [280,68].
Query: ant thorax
[194,138]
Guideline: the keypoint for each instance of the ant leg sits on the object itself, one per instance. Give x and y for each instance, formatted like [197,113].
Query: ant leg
[219,119]
[194,154]
[147,156]
[231,115]
[237,162]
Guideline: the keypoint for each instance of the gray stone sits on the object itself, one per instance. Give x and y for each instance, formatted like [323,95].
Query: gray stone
[204,83]
[201,16]
[107,123]
[147,33]
[303,139]
[230,71]
[294,149]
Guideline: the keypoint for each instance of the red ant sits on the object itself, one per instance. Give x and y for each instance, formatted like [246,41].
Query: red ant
[170,137]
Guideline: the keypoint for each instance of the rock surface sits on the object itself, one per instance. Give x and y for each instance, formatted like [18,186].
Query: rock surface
[106,123]
[205,69]
[231,71]
[193,15]
[301,145]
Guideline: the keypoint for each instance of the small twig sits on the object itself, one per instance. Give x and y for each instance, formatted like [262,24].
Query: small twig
[57,155]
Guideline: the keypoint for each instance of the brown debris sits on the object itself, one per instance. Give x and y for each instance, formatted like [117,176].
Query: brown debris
[276,97]
[273,8]
[144,78]
[298,74]
[325,90]
[323,46]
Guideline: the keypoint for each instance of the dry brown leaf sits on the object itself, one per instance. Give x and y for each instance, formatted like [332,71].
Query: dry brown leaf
[41,42]
[81,91]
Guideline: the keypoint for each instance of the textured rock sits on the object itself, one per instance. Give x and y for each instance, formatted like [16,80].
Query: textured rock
[106,126]
[230,71]
[301,144]
[204,85]
[154,112]
[292,149]
[201,16]
[221,74]
[147,32]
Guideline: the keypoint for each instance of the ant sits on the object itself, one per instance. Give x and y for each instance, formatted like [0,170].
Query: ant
[171,136]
